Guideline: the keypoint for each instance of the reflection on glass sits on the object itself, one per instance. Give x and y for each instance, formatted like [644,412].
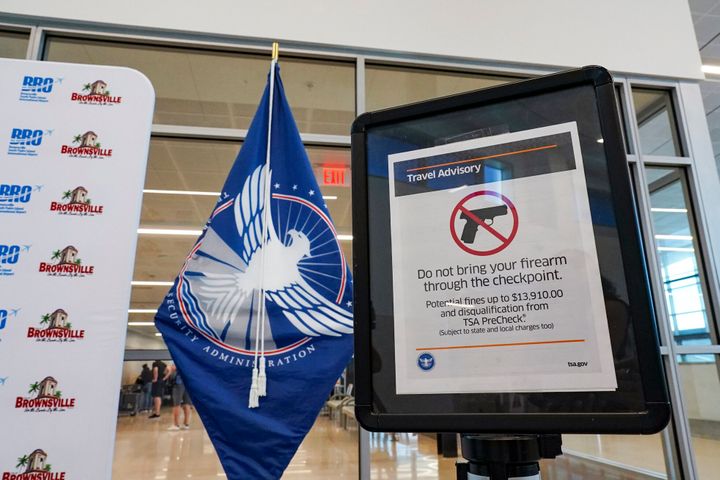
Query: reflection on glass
[643,452]
[701,391]
[678,250]
[656,122]
[222,89]
[387,86]
[13,44]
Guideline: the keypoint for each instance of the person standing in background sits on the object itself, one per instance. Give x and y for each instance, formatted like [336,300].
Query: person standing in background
[180,399]
[146,378]
[158,385]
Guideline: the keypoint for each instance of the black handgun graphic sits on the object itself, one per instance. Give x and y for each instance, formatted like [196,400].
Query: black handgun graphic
[484,214]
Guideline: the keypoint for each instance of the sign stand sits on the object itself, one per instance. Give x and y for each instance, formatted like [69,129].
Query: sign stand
[505,457]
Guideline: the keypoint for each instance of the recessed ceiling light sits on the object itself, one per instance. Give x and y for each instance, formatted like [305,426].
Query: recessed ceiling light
[711,69]
[142,310]
[669,210]
[674,237]
[168,231]
[675,249]
[141,324]
[148,283]
[181,192]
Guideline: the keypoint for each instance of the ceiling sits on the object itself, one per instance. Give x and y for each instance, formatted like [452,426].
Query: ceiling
[706,19]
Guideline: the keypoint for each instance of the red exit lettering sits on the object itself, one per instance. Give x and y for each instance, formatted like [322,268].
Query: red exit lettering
[333,176]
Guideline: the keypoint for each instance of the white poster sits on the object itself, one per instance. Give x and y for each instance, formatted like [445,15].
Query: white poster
[73,151]
[495,273]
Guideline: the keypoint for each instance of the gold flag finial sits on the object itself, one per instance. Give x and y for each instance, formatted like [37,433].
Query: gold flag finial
[275,50]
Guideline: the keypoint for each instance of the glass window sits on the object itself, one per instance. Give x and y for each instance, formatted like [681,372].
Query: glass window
[700,384]
[387,86]
[13,44]
[657,123]
[183,180]
[678,250]
[644,452]
[222,89]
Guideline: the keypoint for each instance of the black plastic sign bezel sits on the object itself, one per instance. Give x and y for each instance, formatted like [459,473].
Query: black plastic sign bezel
[656,414]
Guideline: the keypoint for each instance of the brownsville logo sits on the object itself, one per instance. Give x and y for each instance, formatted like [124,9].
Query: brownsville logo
[86,145]
[96,93]
[33,467]
[47,398]
[68,264]
[55,327]
[76,202]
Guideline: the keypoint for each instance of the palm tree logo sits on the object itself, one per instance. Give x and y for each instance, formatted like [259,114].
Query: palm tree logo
[22,461]
[48,467]
[45,319]
[77,138]
[86,87]
[67,194]
[34,387]
[58,394]
[56,255]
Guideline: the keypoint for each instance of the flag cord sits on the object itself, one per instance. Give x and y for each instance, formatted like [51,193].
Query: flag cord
[259,379]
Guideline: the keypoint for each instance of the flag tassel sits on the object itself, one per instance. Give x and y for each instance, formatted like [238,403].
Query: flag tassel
[254,401]
[262,379]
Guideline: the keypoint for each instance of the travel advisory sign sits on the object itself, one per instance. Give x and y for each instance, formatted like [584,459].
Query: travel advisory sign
[495,272]
[72,166]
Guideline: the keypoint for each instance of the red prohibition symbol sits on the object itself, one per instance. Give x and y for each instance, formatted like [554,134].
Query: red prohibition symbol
[479,222]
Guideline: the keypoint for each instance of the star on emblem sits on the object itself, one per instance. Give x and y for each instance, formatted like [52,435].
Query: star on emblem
[294,187]
[277,185]
[349,304]
[311,192]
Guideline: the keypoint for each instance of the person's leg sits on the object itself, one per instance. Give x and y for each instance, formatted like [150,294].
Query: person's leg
[186,410]
[147,397]
[177,400]
[158,404]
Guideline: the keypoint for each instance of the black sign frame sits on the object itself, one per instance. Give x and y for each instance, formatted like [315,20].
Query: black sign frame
[656,412]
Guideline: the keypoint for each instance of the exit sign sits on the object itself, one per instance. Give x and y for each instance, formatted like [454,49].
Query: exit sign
[334,175]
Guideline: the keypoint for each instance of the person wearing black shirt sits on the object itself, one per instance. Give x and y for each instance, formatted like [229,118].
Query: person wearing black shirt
[158,385]
[146,378]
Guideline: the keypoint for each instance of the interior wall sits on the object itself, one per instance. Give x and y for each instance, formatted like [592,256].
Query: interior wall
[643,36]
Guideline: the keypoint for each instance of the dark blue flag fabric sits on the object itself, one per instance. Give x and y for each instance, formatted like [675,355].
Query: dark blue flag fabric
[259,320]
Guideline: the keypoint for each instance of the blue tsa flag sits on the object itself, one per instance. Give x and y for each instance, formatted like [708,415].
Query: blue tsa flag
[259,320]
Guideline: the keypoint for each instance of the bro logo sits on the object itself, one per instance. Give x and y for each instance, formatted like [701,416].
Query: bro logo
[9,257]
[14,199]
[426,361]
[37,89]
[25,141]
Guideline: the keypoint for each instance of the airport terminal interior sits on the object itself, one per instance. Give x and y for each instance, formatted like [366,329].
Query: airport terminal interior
[206,97]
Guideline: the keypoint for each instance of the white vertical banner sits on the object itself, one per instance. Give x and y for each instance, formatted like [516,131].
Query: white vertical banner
[73,151]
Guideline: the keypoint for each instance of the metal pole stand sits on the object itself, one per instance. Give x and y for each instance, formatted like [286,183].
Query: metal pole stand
[505,457]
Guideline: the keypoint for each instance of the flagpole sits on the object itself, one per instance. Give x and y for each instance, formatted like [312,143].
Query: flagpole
[259,378]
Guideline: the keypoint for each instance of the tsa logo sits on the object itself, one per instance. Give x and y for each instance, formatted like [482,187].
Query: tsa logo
[37,89]
[10,255]
[26,141]
[305,283]
[14,199]
[426,361]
